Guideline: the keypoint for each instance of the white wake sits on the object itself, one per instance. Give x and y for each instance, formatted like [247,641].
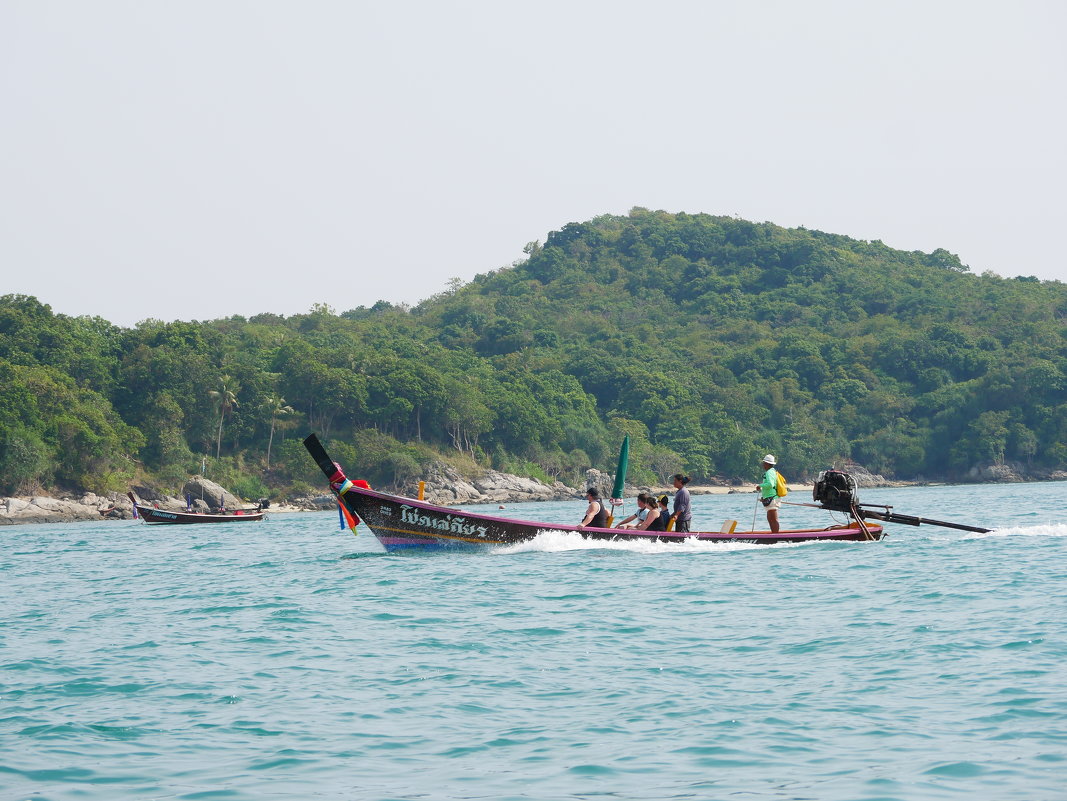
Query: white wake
[555,541]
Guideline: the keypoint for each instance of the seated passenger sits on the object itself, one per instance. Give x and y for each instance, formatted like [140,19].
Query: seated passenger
[634,520]
[596,516]
[653,520]
[665,512]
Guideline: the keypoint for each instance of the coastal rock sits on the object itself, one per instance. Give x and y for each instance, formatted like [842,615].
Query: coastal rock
[321,502]
[14,506]
[1000,473]
[863,476]
[214,495]
[446,487]
[45,509]
[158,499]
[46,504]
[147,493]
[113,506]
[505,487]
[91,499]
[304,503]
[604,482]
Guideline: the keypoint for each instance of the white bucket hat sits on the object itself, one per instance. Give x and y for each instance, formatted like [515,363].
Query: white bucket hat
[769,459]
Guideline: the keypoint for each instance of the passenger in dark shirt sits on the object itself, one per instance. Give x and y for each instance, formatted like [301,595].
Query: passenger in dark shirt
[660,523]
[596,516]
[665,512]
[652,521]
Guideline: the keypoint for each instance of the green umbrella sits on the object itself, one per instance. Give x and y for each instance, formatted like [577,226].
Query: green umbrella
[620,471]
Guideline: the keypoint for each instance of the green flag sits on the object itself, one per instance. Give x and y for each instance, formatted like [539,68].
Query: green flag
[620,471]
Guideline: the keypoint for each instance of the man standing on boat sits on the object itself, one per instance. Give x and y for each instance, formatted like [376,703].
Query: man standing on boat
[768,490]
[683,509]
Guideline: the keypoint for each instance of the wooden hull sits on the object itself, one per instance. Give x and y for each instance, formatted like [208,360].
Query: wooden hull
[150,514]
[406,524]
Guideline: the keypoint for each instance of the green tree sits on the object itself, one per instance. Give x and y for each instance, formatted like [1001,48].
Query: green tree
[225,399]
[988,438]
[276,406]
[24,460]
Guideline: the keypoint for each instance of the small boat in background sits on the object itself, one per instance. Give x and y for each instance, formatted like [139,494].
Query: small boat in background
[150,514]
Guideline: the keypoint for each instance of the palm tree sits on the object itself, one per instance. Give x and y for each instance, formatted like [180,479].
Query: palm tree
[225,398]
[276,405]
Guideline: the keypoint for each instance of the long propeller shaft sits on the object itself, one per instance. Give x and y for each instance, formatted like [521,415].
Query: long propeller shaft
[910,520]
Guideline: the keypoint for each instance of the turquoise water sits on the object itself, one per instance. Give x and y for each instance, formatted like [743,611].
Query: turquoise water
[289,660]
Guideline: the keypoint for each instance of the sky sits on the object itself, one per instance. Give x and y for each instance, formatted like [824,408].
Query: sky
[207,158]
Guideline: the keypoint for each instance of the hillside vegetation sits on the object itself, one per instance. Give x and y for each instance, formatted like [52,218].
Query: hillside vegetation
[709,340]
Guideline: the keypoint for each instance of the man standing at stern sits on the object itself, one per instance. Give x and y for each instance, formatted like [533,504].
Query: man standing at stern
[768,490]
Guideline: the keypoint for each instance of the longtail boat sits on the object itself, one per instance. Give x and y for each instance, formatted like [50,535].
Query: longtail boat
[407,524]
[150,514]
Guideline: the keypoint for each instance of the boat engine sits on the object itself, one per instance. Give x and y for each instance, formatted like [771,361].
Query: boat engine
[836,490]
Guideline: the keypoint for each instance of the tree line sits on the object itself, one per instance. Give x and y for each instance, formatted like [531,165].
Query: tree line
[709,340]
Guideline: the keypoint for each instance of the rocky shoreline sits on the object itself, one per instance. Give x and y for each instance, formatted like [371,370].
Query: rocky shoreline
[45,509]
[444,487]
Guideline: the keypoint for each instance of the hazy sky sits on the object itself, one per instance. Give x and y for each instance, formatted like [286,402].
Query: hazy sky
[195,160]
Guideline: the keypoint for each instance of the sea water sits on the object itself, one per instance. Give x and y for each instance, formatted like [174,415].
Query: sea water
[289,660]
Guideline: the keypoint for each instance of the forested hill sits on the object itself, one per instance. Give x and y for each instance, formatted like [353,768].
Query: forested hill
[709,340]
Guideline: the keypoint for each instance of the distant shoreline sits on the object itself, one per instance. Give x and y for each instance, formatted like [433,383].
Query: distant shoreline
[66,509]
